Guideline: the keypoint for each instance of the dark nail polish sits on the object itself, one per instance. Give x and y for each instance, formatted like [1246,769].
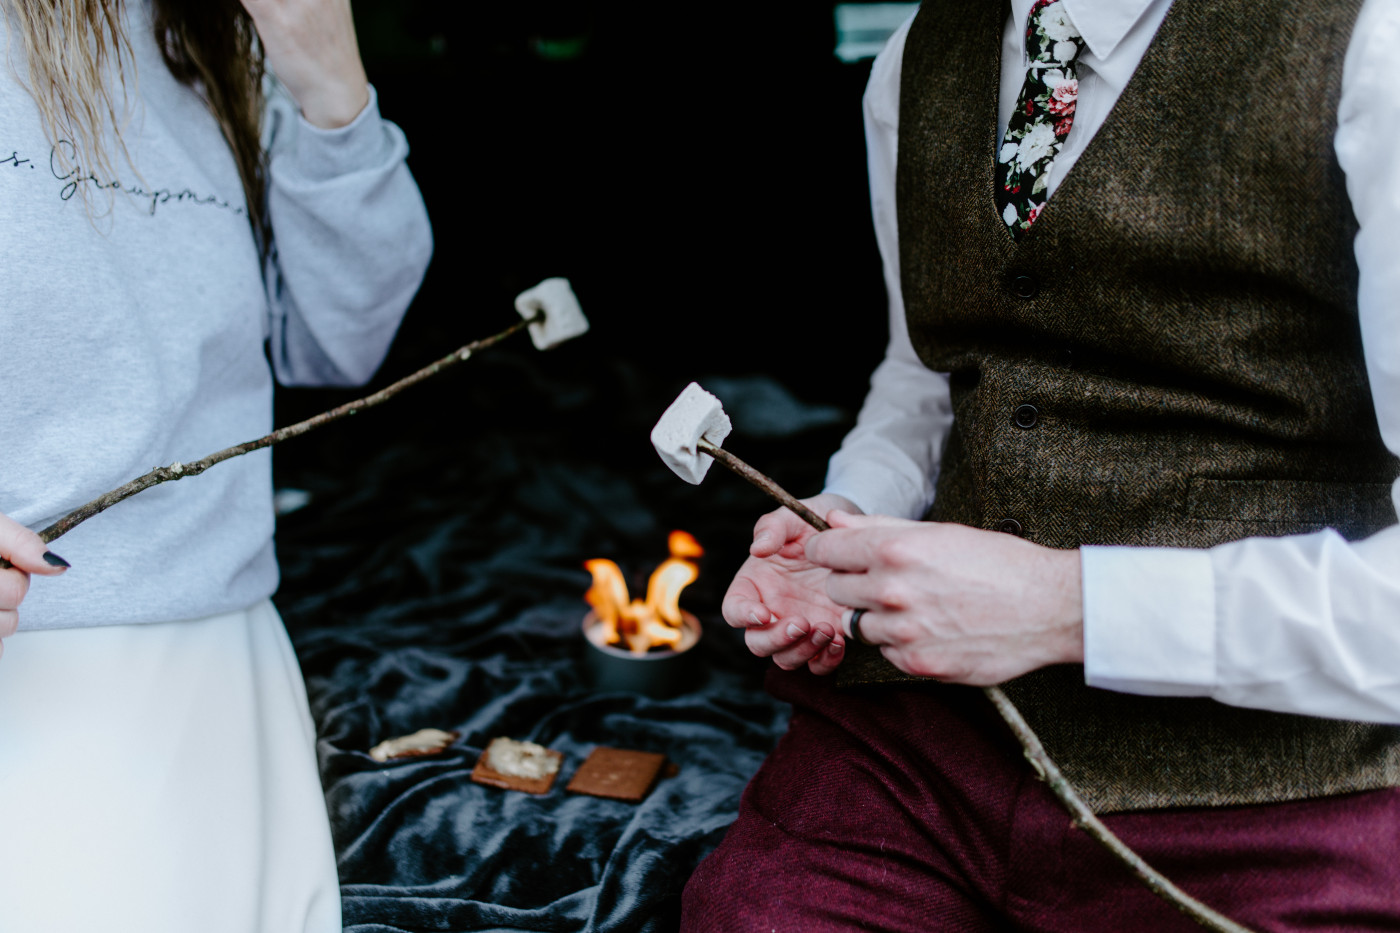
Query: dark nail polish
[53,560]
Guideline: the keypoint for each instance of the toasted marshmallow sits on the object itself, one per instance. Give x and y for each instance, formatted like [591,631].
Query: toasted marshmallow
[563,317]
[521,759]
[422,742]
[695,414]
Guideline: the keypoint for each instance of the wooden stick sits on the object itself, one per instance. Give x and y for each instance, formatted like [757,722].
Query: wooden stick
[178,471]
[1085,819]
[765,483]
[1045,768]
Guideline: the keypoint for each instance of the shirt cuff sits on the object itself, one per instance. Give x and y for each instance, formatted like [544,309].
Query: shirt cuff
[318,155]
[1149,620]
[876,491]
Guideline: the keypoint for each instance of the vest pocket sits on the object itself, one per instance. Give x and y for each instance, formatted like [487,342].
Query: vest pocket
[1354,509]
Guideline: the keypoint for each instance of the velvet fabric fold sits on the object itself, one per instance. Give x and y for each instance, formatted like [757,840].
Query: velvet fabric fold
[440,584]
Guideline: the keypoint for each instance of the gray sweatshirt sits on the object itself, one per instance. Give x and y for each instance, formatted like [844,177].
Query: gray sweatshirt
[133,335]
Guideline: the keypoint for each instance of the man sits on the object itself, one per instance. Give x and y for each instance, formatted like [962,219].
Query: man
[1144,379]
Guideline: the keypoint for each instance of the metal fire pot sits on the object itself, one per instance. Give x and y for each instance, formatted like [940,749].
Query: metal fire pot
[659,675]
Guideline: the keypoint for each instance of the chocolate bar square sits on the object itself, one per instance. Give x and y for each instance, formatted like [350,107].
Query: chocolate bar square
[618,774]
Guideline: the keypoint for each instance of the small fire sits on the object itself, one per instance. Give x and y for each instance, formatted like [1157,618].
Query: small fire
[655,623]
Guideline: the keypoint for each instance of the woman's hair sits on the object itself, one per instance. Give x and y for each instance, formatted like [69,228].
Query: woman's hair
[211,45]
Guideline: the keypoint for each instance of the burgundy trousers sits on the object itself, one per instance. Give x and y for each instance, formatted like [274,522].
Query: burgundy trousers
[913,810]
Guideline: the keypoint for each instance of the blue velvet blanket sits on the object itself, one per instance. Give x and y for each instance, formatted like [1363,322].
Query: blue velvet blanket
[435,580]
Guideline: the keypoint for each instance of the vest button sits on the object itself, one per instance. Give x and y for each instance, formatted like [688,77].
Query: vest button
[1025,416]
[1010,526]
[1023,286]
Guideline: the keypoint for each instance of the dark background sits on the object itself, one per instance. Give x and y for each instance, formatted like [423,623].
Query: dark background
[697,171]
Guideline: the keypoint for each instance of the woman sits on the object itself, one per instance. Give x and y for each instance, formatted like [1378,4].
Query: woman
[163,262]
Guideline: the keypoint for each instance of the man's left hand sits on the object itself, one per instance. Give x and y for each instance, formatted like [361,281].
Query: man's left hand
[951,602]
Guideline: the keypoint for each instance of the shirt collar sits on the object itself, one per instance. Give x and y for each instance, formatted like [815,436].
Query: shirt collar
[1102,23]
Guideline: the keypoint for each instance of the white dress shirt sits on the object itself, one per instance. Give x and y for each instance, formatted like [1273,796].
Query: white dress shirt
[1305,623]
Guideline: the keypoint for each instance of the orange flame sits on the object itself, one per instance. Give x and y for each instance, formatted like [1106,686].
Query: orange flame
[655,622]
[683,544]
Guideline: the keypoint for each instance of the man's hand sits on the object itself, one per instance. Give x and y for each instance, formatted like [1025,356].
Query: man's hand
[29,554]
[311,48]
[950,602]
[779,596]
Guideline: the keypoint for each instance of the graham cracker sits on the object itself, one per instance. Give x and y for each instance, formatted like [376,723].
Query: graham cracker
[618,774]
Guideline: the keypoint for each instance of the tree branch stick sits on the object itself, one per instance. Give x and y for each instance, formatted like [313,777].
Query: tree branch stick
[177,471]
[1085,819]
[765,483]
[1045,767]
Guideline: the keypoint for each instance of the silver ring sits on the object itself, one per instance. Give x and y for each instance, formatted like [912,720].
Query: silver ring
[855,626]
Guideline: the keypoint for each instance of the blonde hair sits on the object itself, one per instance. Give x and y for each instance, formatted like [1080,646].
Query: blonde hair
[73,46]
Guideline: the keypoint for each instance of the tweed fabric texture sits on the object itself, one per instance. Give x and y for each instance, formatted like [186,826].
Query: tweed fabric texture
[1183,318]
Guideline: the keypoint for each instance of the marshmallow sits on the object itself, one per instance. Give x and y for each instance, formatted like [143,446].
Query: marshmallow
[563,318]
[694,414]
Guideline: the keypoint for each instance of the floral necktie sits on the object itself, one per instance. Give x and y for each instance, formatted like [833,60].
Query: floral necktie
[1043,116]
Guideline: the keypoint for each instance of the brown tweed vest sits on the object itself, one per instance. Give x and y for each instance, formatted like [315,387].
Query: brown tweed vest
[1170,356]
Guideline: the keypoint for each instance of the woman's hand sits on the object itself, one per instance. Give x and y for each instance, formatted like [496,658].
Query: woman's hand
[311,47]
[29,554]
[779,596]
[950,602]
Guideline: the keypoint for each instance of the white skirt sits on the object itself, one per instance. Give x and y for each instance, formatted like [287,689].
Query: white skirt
[161,779]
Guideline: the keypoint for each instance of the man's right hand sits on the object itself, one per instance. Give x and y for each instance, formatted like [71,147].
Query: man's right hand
[29,554]
[779,597]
